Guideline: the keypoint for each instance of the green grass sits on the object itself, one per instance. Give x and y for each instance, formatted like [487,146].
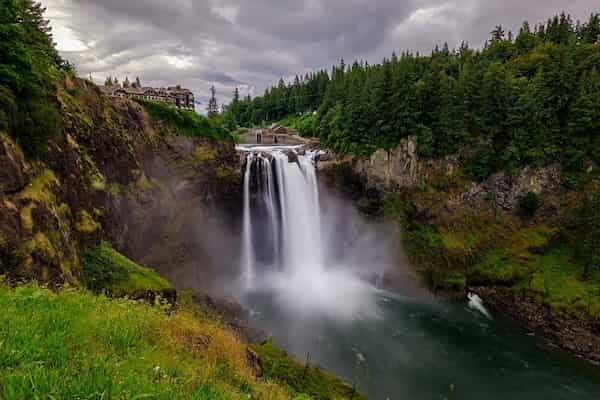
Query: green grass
[557,280]
[74,345]
[186,122]
[313,381]
[105,269]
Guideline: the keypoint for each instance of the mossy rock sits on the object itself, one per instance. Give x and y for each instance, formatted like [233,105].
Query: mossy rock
[86,223]
[37,249]
[205,153]
[223,171]
[98,182]
[107,270]
[143,183]
[40,188]
[27,218]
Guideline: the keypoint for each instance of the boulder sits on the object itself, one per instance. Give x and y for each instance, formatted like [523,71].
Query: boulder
[292,156]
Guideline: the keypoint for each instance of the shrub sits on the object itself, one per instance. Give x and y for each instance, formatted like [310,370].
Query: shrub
[482,165]
[528,205]
[185,122]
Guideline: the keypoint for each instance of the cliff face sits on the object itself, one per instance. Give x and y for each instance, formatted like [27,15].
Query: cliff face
[107,176]
[402,170]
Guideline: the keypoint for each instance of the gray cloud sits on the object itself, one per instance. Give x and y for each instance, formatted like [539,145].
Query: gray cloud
[251,44]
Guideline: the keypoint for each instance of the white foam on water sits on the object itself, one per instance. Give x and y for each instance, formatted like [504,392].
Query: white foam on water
[476,303]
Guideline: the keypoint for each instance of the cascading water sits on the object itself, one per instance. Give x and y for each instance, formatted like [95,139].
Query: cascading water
[281,204]
[283,241]
[247,251]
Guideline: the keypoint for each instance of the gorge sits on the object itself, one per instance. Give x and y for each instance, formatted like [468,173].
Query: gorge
[389,343]
[426,227]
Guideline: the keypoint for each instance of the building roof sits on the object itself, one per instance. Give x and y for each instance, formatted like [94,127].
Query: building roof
[144,90]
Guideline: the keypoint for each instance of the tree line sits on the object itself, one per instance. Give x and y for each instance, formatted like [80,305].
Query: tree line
[525,99]
[29,63]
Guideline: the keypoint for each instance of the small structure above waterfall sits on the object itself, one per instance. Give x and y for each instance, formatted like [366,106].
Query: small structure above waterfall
[278,129]
[274,135]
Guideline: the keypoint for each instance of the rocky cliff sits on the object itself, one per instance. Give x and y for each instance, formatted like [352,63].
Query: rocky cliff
[114,173]
[402,170]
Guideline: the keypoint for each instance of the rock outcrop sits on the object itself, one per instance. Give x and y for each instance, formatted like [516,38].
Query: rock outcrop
[392,170]
[401,169]
[506,190]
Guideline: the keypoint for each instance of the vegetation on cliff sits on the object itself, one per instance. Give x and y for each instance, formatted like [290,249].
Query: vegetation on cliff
[185,122]
[29,64]
[551,263]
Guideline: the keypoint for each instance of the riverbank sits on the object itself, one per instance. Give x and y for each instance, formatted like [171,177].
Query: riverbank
[579,336]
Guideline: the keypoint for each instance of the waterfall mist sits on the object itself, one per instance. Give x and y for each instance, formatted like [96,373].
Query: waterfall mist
[306,247]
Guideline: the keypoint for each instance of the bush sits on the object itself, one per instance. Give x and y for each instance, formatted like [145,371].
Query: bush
[482,165]
[528,205]
[185,122]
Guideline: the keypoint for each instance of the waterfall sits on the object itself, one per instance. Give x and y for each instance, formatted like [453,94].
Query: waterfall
[247,250]
[281,204]
[285,250]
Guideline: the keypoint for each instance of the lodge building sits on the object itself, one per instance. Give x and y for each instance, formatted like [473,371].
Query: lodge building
[176,95]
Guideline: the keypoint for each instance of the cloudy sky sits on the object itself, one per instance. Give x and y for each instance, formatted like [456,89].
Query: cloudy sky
[252,43]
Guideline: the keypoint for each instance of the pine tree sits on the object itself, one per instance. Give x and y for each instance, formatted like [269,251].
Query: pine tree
[525,39]
[588,227]
[126,82]
[584,124]
[525,102]
[213,106]
[138,83]
[108,81]
[497,34]
[386,135]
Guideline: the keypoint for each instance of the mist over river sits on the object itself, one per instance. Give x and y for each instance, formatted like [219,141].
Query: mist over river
[305,256]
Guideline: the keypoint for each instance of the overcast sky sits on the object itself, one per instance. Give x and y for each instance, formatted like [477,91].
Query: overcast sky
[252,43]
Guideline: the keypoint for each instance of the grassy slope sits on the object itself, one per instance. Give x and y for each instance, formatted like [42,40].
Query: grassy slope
[105,269]
[72,344]
[313,381]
